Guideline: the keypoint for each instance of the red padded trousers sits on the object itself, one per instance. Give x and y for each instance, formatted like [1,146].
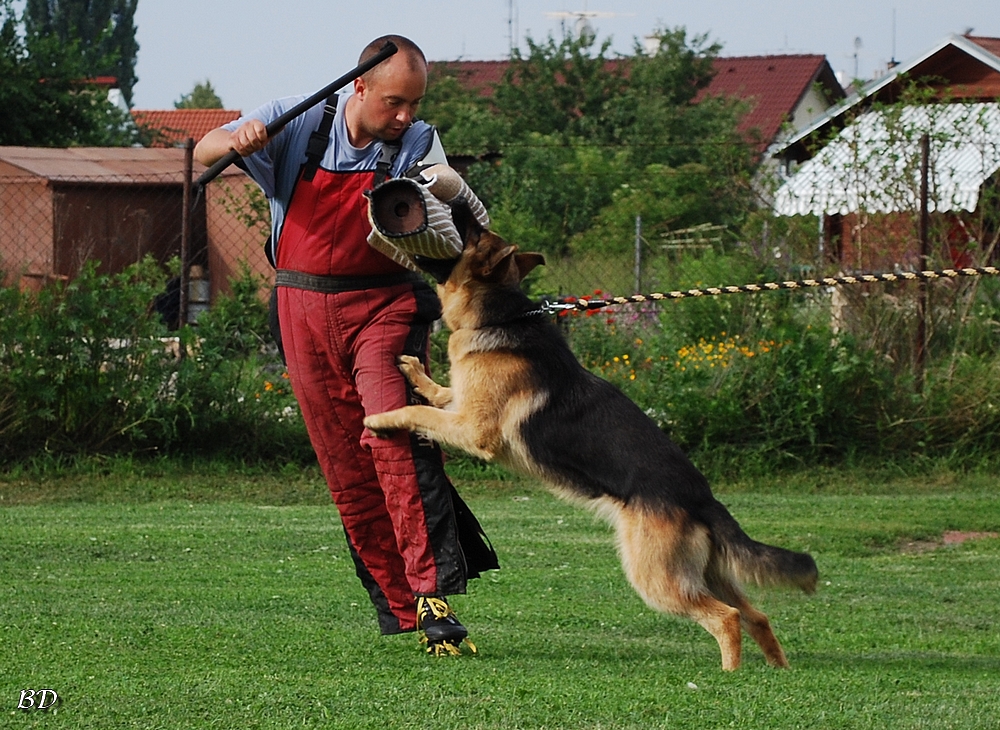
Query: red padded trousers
[392,494]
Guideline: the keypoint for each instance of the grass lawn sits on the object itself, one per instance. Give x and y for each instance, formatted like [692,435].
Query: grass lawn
[227,600]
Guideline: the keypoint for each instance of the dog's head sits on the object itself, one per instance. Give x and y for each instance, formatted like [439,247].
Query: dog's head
[487,261]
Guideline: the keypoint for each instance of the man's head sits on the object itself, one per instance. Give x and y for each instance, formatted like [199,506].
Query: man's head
[389,94]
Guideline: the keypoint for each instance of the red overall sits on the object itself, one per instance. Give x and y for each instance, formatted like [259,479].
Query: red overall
[341,348]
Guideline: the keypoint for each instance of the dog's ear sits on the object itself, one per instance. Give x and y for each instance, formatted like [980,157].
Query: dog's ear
[500,260]
[469,229]
[526,262]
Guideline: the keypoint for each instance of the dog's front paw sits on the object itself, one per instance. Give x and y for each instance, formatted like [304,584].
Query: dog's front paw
[409,362]
[413,370]
[379,425]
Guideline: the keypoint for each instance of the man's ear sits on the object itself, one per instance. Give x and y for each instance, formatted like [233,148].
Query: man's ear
[468,227]
[526,262]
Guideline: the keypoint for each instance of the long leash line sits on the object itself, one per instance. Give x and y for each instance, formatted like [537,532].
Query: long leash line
[583,305]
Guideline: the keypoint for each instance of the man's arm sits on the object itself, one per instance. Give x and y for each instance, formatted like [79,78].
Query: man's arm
[248,138]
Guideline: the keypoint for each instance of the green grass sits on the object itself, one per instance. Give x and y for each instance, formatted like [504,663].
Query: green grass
[163,598]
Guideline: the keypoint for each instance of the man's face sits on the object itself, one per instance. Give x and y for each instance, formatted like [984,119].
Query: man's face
[389,99]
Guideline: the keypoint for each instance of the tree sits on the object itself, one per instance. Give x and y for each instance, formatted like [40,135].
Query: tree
[104,30]
[202,96]
[44,98]
[560,88]
[586,138]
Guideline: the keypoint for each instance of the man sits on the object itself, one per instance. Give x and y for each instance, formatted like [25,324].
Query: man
[347,313]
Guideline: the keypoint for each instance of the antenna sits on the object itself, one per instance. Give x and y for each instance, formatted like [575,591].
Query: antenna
[512,34]
[582,26]
[857,47]
[893,62]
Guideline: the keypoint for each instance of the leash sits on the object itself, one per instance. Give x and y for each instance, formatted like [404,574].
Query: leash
[583,305]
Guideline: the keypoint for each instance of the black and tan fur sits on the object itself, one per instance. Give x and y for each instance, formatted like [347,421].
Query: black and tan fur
[519,397]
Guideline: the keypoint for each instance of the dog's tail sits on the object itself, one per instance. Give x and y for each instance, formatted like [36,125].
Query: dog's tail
[754,562]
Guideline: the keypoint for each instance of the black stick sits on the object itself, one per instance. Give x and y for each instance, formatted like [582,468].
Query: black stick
[278,124]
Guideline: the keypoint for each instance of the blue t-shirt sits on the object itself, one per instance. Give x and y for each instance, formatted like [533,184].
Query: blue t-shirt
[276,167]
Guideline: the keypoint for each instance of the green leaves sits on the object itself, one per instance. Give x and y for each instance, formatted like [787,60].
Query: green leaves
[89,367]
[574,125]
[202,96]
[45,97]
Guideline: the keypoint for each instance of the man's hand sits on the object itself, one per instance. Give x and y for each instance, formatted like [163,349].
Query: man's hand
[248,138]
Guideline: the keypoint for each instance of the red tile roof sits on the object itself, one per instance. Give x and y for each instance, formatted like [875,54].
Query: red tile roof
[110,82]
[990,44]
[773,85]
[481,76]
[174,126]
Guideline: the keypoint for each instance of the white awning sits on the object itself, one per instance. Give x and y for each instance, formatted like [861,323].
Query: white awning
[873,165]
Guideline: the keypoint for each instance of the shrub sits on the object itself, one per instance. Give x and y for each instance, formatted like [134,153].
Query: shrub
[89,367]
[83,366]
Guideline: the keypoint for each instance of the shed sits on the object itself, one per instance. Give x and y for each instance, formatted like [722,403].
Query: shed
[62,207]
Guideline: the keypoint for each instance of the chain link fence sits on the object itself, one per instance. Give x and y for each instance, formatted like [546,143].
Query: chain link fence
[61,209]
[117,206]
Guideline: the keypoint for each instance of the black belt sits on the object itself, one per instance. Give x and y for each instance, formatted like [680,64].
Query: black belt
[337,284]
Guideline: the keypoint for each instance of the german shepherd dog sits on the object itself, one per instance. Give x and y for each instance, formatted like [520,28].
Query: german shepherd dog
[519,397]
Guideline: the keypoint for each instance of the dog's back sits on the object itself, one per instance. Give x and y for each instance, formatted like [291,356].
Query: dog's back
[592,439]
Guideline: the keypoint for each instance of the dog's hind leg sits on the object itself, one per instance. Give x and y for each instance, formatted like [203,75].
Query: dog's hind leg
[665,557]
[753,621]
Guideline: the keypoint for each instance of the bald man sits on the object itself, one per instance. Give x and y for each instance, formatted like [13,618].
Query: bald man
[346,314]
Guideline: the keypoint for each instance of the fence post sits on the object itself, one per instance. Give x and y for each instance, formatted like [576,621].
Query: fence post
[637,271]
[923,295]
[186,231]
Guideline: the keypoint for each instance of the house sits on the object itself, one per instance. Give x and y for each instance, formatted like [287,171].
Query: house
[859,165]
[62,207]
[783,91]
[173,127]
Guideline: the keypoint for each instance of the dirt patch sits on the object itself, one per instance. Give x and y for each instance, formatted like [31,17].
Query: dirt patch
[955,537]
[951,537]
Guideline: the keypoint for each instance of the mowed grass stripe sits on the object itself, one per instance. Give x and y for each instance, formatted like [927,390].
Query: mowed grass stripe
[212,613]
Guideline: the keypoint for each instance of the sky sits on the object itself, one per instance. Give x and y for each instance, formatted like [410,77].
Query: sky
[255,50]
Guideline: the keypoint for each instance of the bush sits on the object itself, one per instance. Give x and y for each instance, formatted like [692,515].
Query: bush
[762,382]
[745,384]
[83,367]
[89,367]
[236,385]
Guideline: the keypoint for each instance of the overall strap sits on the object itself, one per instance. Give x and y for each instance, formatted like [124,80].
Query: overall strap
[320,138]
[388,155]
